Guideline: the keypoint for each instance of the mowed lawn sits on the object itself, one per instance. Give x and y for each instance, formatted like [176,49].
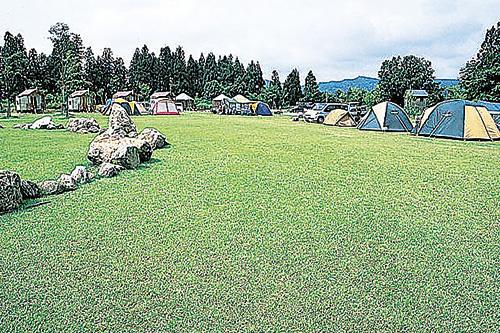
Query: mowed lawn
[256,224]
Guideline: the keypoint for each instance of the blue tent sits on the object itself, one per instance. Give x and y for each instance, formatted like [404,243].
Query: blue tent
[261,109]
[387,117]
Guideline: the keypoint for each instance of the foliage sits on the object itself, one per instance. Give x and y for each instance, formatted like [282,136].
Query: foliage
[408,73]
[311,89]
[480,78]
[292,92]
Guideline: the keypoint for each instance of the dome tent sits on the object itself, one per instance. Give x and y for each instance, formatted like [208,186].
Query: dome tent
[341,118]
[132,108]
[458,119]
[387,117]
[261,109]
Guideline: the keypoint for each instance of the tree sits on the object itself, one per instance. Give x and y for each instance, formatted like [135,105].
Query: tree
[311,89]
[408,73]
[179,72]
[480,77]
[165,69]
[193,77]
[254,79]
[292,91]
[13,68]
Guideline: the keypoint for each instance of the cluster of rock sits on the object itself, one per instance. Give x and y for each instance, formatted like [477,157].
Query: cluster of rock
[121,146]
[117,148]
[42,123]
[13,189]
[83,125]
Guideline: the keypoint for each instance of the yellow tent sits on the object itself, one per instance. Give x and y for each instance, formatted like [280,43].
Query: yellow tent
[339,117]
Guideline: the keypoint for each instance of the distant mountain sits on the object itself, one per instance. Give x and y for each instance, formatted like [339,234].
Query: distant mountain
[361,82]
[367,83]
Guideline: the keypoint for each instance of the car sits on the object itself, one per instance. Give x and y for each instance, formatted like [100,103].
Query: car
[320,110]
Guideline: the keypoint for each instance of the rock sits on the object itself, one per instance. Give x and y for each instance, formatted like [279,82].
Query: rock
[105,145]
[67,183]
[60,126]
[50,187]
[18,126]
[79,124]
[10,191]
[51,127]
[126,156]
[80,175]
[119,120]
[103,130]
[154,137]
[29,189]
[1,126]
[26,126]
[94,129]
[109,170]
[42,123]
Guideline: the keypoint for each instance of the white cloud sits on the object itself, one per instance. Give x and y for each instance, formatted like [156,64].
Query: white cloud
[336,39]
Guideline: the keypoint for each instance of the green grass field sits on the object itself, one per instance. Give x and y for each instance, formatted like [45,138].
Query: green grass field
[253,224]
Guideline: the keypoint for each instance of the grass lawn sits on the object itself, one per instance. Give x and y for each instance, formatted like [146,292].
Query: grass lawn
[253,224]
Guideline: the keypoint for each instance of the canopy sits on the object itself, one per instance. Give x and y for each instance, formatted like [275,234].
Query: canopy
[184,97]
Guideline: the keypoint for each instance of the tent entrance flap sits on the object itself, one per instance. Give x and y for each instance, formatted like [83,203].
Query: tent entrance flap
[445,116]
[396,113]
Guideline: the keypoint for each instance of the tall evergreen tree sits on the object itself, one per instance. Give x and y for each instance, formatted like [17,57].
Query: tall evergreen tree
[179,78]
[210,72]
[193,77]
[165,69]
[311,89]
[480,77]
[13,68]
[254,79]
[292,92]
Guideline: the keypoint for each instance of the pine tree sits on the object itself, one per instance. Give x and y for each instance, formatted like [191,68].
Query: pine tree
[481,76]
[275,91]
[13,68]
[210,73]
[292,91]
[165,69]
[311,89]
[193,77]
[179,77]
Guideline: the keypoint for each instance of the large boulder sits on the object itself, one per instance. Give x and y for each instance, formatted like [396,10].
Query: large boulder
[81,175]
[154,137]
[105,145]
[109,170]
[10,191]
[50,187]
[42,123]
[67,183]
[1,126]
[29,189]
[120,122]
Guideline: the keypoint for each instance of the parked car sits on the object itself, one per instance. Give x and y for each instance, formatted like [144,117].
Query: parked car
[319,112]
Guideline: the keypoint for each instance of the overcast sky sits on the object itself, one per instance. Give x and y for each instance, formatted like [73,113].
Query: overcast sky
[336,39]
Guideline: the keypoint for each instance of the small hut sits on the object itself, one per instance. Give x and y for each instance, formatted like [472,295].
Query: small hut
[185,102]
[81,100]
[161,95]
[416,101]
[129,96]
[30,100]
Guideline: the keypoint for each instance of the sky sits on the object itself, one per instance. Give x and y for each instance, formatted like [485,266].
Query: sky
[334,39]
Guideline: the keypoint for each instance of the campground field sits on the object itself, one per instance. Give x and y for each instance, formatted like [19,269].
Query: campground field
[255,224]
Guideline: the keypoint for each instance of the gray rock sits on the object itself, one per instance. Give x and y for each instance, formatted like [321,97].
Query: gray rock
[154,137]
[51,127]
[18,126]
[50,187]
[42,123]
[26,126]
[83,131]
[60,126]
[126,156]
[80,175]
[67,183]
[119,120]
[94,129]
[105,145]
[1,126]
[29,189]
[109,170]
[79,124]
[10,191]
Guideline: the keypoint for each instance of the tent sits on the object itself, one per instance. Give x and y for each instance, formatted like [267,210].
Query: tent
[494,109]
[387,117]
[132,108]
[339,117]
[163,106]
[261,109]
[458,119]
[185,101]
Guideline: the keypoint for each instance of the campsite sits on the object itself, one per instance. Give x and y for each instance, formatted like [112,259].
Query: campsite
[322,167]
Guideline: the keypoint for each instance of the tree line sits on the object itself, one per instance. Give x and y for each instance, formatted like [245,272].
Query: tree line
[71,66]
